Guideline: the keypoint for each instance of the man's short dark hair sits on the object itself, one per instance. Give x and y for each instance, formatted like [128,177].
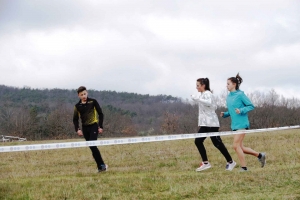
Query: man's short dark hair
[80,89]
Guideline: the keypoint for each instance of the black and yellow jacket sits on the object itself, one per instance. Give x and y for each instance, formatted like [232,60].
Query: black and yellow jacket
[89,113]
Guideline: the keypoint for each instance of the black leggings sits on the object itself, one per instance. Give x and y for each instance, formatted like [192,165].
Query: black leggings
[216,140]
[91,133]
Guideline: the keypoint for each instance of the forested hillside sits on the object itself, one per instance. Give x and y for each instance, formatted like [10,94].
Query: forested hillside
[47,113]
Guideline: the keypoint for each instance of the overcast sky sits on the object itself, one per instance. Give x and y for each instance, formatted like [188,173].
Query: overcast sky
[151,46]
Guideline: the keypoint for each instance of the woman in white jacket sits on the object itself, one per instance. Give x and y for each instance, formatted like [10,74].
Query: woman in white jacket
[208,122]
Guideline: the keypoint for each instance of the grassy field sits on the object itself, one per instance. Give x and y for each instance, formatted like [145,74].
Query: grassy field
[161,170]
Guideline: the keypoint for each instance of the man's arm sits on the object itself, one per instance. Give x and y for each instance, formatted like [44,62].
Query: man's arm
[100,113]
[76,119]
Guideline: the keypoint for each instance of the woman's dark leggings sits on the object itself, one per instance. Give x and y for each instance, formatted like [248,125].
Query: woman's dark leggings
[91,133]
[216,140]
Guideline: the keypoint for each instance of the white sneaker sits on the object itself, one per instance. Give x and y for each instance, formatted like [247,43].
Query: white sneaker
[203,166]
[244,170]
[230,166]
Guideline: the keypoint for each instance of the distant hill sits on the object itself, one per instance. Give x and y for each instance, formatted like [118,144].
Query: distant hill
[29,95]
[129,113]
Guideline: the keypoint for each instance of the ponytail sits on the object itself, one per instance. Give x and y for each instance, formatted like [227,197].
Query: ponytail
[204,81]
[237,80]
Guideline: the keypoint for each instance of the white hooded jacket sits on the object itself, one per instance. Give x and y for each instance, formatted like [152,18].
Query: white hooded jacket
[207,107]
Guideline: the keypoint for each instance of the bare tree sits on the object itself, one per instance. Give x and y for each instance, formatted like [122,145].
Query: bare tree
[170,123]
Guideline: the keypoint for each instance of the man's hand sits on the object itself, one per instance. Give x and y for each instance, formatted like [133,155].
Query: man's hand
[237,111]
[79,132]
[100,130]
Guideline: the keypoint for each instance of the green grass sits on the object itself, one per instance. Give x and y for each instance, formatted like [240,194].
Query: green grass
[160,170]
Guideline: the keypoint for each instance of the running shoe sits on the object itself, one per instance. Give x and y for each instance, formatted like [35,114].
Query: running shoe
[230,166]
[244,170]
[203,166]
[103,168]
[262,160]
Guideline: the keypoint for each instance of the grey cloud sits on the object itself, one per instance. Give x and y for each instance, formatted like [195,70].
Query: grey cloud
[115,43]
[26,15]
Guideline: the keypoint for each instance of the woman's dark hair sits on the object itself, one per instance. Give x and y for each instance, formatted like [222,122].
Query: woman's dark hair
[204,81]
[80,89]
[237,80]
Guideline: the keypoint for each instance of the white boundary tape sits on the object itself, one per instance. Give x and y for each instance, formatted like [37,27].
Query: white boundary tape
[131,140]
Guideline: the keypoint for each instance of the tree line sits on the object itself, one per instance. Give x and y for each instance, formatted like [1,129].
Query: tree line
[40,114]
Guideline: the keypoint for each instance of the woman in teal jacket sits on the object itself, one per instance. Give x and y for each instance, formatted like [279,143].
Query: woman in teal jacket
[238,105]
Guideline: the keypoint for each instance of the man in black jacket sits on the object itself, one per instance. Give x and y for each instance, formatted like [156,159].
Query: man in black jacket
[91,115]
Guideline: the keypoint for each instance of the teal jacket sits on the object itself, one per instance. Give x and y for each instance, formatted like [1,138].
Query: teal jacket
[238,99]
